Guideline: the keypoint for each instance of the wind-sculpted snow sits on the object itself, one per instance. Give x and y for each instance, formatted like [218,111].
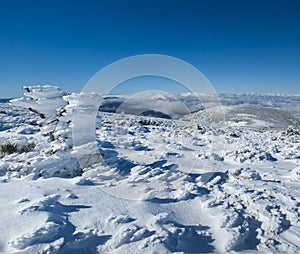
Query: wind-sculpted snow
[157,185]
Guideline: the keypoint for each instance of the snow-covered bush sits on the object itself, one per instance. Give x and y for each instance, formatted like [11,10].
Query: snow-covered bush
[8,148]
[28,147]
[148,122]
[292,131]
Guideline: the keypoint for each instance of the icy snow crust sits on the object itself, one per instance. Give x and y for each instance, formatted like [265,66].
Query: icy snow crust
[161,186]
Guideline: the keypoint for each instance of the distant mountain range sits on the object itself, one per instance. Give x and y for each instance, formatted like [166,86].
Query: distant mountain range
[5,100]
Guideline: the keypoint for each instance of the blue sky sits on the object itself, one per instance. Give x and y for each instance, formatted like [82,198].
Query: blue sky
[240,46]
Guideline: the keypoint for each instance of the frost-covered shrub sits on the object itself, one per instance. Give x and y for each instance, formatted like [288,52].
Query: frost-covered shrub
[148,122]
[234,135]
[28,147]
[8,148]
[292,131]
[48,103]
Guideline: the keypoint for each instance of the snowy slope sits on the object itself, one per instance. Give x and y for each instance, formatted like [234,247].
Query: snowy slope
[161,186]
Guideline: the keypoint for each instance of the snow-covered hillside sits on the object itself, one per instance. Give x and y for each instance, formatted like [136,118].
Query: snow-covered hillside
[158,185]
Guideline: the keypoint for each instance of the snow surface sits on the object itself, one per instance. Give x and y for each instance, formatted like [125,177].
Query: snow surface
[158,185]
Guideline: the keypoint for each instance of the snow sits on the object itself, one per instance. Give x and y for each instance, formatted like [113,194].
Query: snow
[186,183]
